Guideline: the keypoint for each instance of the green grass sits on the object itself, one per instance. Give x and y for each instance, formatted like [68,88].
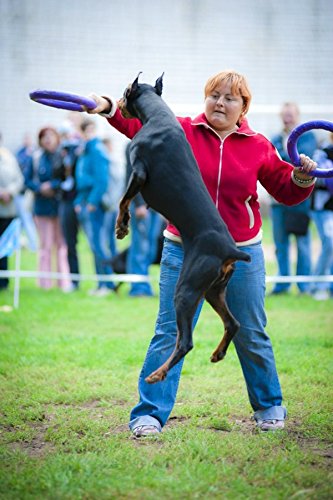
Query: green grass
[68,379]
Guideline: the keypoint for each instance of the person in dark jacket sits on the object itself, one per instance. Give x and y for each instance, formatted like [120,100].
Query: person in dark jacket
[71,148]
[283,215]
[322,216]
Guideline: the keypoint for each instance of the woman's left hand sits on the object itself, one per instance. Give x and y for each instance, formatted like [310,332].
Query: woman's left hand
[306,166]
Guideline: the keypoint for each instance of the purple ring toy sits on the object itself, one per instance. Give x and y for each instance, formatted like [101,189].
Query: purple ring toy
[62,100]
[292,145]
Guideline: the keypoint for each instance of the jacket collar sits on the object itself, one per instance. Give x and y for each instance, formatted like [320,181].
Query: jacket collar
[243,129]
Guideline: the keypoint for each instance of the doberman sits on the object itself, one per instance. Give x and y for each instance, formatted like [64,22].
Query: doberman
[167,175]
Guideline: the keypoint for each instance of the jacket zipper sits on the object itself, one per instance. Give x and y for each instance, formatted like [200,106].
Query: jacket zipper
[250,212]
[219,176]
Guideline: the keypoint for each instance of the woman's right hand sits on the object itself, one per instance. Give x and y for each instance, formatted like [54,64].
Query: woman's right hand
[102,105]
[47,190]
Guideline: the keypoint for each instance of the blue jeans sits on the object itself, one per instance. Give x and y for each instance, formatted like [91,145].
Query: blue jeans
[92,224]
[245,296]
[110,232]
[282,247]
[323,220]
[138,258]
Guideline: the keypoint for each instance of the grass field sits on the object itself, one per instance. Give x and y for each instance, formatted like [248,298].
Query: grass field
[68,375]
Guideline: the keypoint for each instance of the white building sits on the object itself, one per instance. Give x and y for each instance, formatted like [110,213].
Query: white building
[285,48]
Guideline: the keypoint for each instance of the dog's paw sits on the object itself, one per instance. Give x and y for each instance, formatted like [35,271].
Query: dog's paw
[121,231]
[217,356]
[155,377]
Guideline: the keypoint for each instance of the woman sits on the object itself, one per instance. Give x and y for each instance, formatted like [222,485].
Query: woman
[11,183]
[43,177]
[232,158]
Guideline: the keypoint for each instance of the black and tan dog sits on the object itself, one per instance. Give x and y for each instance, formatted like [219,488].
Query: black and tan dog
[167,175]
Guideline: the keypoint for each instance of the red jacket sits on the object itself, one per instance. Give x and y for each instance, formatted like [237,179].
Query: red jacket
[230,169]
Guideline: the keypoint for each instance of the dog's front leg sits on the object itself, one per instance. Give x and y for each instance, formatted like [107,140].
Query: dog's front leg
[186,303]
[134,186]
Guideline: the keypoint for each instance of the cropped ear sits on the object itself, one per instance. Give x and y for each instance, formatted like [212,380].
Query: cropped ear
[159,84]
[134,85]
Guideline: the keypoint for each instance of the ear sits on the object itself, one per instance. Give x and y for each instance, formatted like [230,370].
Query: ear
[135,84]
[159,84]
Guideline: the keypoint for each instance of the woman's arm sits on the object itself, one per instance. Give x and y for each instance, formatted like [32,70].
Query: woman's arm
[285,183]
[107,107]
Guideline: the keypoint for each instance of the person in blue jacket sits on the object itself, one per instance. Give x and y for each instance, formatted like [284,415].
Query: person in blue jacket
[42,177]
[283,216]
[92,179]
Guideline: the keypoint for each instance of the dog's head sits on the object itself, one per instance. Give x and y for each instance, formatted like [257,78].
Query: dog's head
[133,91]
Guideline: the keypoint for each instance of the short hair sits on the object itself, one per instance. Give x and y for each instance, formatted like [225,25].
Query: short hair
[292,105]
[87,122]
[44,131]
[238,84]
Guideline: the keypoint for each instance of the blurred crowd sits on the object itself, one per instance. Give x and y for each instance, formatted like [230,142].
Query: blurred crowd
[66,180]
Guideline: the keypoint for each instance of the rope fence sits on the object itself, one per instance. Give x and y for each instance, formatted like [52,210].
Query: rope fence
[17,274]
[135,278]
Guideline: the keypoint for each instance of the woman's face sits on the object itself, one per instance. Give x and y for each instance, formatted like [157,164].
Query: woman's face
[223,108]
[49,141]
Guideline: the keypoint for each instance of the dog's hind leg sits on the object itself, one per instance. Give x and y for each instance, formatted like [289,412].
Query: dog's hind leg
[137,180]
[215,296]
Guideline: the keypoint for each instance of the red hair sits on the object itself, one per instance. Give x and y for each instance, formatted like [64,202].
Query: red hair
[44,130]
[239,86]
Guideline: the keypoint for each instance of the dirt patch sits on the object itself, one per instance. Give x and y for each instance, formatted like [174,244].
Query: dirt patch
[37,446]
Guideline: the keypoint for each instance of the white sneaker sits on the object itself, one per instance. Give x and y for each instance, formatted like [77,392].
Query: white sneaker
[270,425]
[100,292]
[145,430]
[321,295]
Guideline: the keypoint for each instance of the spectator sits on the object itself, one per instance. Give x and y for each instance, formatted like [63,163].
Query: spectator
[292,220]
[11,183]
[23,201]
[322,215]
[92,178]
[139,252]
[111,201]
[70,149]
[43,177]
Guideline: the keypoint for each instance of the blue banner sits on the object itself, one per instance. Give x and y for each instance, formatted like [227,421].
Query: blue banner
[10,239]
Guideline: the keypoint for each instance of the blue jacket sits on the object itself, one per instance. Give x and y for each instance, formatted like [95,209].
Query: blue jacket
[92,174]
[42,168]
[306,144]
